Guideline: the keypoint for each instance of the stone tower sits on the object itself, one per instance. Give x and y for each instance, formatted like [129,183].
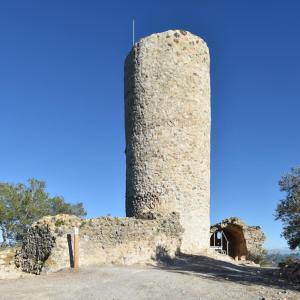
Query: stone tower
[167,113]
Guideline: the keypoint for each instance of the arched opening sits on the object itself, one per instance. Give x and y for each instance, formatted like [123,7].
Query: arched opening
[229,240]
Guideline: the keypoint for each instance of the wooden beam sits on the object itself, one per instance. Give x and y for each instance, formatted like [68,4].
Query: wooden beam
[76,248]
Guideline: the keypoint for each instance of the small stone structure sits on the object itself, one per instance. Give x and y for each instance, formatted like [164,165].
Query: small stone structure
[167,120]
[245,242]
[48,245]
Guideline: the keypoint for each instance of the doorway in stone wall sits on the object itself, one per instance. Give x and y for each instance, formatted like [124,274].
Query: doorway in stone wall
[219,242]
[230,241]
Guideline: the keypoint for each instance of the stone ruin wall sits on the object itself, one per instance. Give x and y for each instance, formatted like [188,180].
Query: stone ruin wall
[167,115]
[105,240]
[254,241]
[8,268]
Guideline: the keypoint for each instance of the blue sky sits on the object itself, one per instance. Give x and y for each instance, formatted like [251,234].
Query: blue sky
[61,97]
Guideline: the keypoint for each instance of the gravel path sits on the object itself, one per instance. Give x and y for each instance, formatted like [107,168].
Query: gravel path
[186,278]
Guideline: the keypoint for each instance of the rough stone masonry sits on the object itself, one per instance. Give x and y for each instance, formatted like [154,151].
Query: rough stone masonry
[167,113]
[106,240]
[167,107]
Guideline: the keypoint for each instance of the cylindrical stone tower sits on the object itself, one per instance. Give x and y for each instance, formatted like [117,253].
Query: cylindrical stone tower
[167,113]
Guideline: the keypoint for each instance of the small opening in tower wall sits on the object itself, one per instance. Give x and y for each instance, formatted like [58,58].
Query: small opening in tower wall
[229,241]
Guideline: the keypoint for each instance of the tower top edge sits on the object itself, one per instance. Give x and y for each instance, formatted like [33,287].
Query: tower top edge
[170,34]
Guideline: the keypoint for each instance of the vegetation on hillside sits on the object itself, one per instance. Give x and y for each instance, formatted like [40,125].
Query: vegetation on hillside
[288,210]
[21,205]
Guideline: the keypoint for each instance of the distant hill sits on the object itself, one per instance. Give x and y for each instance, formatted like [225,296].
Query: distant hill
[274,256]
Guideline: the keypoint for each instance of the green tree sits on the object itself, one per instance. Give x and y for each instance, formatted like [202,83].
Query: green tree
[288,210]
[21,205]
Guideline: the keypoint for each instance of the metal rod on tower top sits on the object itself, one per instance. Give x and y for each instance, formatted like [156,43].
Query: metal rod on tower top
[132,32]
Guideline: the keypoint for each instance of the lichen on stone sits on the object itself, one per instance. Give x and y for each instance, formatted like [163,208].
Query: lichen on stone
[36,248]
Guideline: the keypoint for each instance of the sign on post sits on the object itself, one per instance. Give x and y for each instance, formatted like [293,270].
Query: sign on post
[76,248]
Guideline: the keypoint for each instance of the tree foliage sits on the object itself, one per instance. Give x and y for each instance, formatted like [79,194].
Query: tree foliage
[288,210]
[21,205]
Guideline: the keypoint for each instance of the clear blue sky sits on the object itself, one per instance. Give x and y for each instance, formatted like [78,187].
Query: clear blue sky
[61,96]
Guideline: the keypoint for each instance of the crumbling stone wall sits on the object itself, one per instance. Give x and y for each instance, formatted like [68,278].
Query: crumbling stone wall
[102,240]
[246,242]
[167,115]
[8,269]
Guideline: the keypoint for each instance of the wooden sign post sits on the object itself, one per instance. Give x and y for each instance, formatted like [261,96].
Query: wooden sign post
[76,248]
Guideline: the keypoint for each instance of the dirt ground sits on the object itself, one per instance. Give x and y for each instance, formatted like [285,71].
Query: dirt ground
[183,278]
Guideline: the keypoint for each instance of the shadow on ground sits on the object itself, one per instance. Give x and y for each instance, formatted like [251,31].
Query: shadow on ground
[213,269]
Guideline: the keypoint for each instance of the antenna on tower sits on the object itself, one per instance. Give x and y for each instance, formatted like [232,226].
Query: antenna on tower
[132,32]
